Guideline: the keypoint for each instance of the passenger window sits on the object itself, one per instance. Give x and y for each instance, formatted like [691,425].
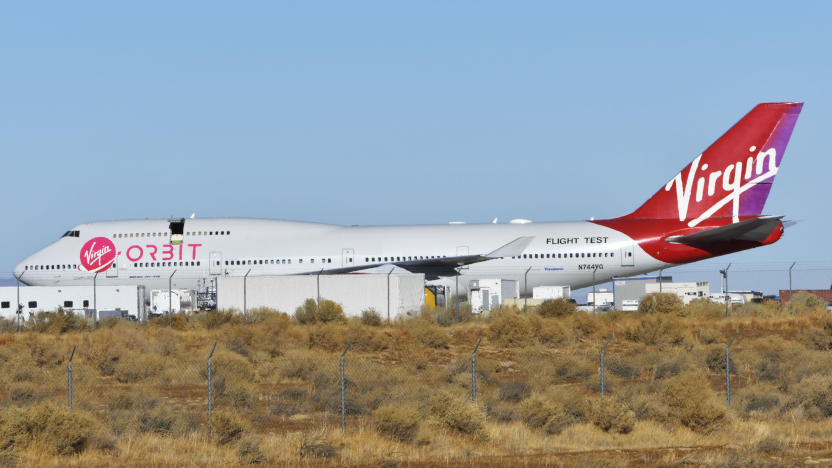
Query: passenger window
[33,304]
[4,305]
[86,303]
[68,304]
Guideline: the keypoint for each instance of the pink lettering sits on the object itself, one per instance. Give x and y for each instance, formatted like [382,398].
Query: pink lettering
[137,257]
[194,246]
[167,251]
[153,253]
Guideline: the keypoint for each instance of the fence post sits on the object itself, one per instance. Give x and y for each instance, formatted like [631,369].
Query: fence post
[210,381]
[245,302]
[69,378]
[474,372]
[603,352]
[728,367]
[343,401]
[170,299]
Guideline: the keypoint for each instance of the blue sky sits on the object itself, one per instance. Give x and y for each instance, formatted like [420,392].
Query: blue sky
[393,113]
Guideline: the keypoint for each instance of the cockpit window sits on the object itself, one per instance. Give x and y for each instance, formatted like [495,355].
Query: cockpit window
[72,234]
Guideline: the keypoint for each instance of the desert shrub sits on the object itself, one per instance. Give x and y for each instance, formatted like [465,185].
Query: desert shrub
[260,314]
[303,369]
[131,401]
[646,405]
[24,393]
[214,319]
[806,303]
[657,329]
[48,427]
[583,325]
[457,413]
[704,309]
[573,368]
[514,390]
[500,411]
[612,416]
[227,426]
[671,368]
[661,303]
[429,334]
[137,367]
[315,447]
[715,361]
[556,308]
[693,403]
[541,412]
[327,336]
[398,422]
[622,368]
[311,311]
[815,395]
[510,329]
[548,332]
[709,336]
[370,317]
[757,398]
[248,451]
[57,322]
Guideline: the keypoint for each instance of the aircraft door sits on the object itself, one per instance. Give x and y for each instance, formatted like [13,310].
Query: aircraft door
[112,272]
[215,263]
[627,256]
[347,257]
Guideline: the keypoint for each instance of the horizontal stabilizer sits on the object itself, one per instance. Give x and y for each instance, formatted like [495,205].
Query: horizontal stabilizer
[513,248]
[757,230]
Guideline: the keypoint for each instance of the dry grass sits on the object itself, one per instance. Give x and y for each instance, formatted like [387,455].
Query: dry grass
[140,396]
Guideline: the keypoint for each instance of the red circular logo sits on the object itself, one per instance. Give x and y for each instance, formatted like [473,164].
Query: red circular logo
[98,254]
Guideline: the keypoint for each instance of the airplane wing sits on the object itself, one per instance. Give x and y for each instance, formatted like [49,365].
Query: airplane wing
[757,229]
[433,268]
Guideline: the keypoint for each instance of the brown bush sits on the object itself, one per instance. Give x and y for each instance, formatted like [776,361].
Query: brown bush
[138,367]
[510,329]
[398,422]
[815,395]
[214,319]
[457,413]
[657,329]
[541,412]
[583,325]
[48,426]
[610,415]
[325,311]
[757,398]
[704,309]
[514,390]
[548,331]
[328,336]
[370,317]
[556,308]
[429,334]
[661,303]
[227,426]
[693,402]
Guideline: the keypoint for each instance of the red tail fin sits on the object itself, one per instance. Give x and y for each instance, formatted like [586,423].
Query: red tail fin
[733,177]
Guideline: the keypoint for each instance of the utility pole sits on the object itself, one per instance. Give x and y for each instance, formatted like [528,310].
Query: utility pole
[19,305]
[526,289]
[245,303]
[94,301]
[170,299]
[791,294]
[594,296]
[388,295]
[724,274]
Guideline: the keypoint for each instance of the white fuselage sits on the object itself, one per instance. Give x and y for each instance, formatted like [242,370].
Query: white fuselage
[561,253]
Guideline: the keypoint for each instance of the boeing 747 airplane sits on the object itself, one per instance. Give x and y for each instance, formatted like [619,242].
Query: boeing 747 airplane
[713,207]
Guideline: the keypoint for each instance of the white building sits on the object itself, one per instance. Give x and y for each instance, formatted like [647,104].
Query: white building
[486,294]
[551,292]
[601,298]
[396,294]
[78,299]
[686,290]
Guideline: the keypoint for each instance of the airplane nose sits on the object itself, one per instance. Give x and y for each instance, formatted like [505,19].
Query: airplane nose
[18,270]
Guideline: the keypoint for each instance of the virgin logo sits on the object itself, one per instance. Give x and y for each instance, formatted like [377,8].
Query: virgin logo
[98,254]
[734,179]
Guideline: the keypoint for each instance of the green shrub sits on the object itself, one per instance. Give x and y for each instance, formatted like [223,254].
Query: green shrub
[326,311]
[398,422]
[557,308]
[612,416]
[661,303]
